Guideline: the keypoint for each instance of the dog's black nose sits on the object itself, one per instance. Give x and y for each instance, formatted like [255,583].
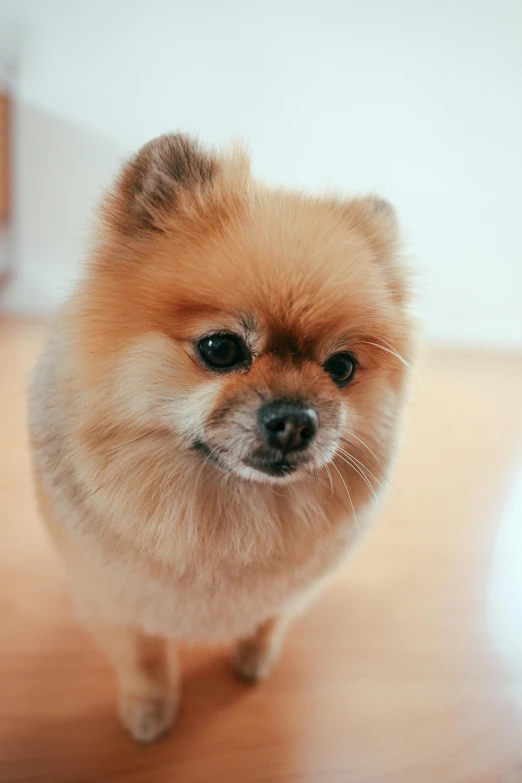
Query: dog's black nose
[287,425]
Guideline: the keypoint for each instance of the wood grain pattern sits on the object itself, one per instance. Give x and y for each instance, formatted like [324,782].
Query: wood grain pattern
[409,670]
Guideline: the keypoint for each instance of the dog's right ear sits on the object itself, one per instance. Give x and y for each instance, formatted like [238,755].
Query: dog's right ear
[158,181]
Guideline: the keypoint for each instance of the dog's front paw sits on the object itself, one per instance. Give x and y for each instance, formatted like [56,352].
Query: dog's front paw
[147,720]
[251,661]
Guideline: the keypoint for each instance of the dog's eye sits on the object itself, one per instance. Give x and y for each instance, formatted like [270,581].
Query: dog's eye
[223,351]
[341,368]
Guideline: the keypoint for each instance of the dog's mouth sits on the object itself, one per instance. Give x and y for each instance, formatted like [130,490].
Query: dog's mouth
[272,467]
[275,466]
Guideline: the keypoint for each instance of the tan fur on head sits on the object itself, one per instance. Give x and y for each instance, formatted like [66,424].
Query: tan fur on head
[154,472]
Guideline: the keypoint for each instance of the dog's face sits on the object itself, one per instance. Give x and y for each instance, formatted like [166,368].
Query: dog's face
[259,327]
[265,399]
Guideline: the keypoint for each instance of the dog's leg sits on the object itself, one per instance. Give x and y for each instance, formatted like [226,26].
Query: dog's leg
[147,679]
[255,656]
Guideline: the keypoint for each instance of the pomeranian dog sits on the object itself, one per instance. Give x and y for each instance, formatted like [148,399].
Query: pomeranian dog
[214,409]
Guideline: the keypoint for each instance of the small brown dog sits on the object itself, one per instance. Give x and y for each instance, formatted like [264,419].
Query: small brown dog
[214,409]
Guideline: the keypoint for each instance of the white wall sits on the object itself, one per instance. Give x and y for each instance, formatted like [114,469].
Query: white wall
[419,100]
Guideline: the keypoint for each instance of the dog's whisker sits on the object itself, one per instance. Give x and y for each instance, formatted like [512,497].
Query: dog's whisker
[359,473]
[382,340]
[313,473]
[353,435]
[363,467]
[389,350]
[134,440]
[358,466]
[385,477]
[198,478]
[349,496]
[279,494]
[303,498]
[361,451]
[223,475]
[330,478]
[393,352]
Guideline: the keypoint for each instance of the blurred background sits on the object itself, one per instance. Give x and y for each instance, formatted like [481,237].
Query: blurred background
[418,101]
[410,667]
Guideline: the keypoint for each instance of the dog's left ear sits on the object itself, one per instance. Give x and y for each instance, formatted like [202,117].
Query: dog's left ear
[376,219]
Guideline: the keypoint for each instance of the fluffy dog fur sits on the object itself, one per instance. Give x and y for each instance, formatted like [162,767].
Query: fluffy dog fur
[165,540]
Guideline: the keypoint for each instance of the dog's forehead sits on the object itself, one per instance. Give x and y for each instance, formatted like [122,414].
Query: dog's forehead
[302,323]
[298,336]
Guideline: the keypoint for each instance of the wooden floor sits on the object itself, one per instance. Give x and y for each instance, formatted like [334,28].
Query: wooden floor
[408,671]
